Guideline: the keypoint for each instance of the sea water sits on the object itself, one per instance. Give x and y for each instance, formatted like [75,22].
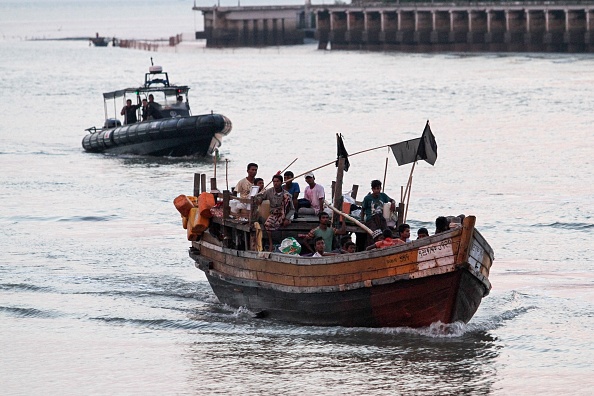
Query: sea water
[98,294]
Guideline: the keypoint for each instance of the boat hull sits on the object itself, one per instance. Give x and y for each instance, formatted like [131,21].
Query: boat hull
[175,137]
[445,298]
[442,278]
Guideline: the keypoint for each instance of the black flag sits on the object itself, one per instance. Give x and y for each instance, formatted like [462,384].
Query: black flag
[423,148]
[428,146]
[341,152]
[406,152]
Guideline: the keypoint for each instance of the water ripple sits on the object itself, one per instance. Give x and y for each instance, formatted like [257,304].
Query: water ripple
[28,312]
[567,226]
[21,219]
[23,287]
[155,323]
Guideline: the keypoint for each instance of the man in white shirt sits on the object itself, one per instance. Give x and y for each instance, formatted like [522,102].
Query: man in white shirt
[243,188]
[244,185]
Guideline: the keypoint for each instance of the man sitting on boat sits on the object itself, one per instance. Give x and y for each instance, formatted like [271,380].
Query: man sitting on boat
[314,194]
[292,188]
[422,233]
[244,186]
[404,232]
[441,224]
[324,231]
[384,239]
[345,242]
[320,246]
[351,247]
[129,112]
[258,181]
[281,207]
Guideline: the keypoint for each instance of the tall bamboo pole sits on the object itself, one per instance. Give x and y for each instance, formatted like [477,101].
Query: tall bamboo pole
[333,161]
[227,173]
[385,173]
[281,172]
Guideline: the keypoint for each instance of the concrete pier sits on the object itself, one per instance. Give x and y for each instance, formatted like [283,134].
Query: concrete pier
[414,27]
[257,26]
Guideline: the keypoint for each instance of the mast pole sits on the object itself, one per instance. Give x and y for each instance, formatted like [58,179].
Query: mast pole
[407,191]
[385,173]
[227,173]
[338,185]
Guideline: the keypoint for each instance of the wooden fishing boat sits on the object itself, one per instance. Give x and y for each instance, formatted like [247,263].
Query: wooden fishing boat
[441,278]
[170,130]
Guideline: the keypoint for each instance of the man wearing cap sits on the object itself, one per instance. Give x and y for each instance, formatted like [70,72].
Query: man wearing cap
[315,194]
[377,236]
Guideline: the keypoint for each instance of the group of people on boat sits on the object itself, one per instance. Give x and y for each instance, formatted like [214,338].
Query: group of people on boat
[150,110]
[285,206]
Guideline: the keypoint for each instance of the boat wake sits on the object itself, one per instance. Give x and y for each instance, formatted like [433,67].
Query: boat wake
[157,324]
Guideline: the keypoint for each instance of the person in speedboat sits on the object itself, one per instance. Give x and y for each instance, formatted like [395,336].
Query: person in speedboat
[129,112]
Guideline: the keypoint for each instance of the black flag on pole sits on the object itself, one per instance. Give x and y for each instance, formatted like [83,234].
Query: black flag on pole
[428,146]
[341,152]
[423,148]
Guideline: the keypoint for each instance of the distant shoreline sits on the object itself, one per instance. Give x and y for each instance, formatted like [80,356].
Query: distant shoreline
[87,38]
[59,39]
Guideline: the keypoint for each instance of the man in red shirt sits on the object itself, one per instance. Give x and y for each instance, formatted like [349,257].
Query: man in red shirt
[385,240]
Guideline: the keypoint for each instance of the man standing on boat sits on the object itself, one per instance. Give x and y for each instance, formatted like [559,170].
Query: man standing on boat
[374,202]
[129,112]
[281,207]
[145,110]
[153,109]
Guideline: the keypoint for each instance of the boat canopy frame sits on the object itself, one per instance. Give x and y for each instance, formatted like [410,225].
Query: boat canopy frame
[170,91]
